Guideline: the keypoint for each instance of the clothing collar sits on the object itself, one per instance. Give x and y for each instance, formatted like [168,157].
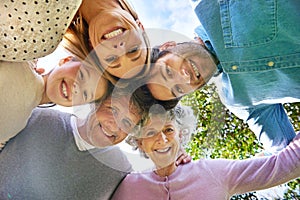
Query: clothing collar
[80,143]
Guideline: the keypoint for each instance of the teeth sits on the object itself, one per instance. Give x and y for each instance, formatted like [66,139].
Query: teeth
[64,89]
[163,150]
[195,69]
[113,33]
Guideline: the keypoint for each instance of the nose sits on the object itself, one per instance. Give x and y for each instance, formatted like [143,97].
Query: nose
[111,125]
[119,44]
[162,138]
[182,76]
[75,88]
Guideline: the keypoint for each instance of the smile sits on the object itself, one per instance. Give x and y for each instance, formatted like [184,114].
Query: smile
[195,69]
[113,34]
[163,150]
[64,89]
[107,134]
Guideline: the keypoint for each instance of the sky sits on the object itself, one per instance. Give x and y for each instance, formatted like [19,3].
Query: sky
[175,15]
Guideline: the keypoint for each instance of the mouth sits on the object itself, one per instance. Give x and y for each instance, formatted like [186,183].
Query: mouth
[163,151]
[64,89]
[194,69]
[114,33]
[110,136]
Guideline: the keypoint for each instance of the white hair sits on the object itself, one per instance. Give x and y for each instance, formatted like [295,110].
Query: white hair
[185,122]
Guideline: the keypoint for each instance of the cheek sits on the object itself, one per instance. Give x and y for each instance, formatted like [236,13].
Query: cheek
[146,145]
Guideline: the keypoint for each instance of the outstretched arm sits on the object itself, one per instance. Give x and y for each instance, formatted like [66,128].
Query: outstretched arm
[259,173]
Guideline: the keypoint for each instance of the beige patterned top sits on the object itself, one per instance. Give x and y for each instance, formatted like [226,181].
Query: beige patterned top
[31,29]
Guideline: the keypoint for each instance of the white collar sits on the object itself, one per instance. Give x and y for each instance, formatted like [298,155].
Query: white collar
[80,143]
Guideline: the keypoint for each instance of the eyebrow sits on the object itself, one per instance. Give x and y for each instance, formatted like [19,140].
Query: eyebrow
[87,71]
[115,66]
[162,74]
[173,93]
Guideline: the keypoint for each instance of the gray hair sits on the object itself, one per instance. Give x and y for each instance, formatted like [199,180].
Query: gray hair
[183,116]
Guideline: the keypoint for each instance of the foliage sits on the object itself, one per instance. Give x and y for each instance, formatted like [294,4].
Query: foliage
[222,135]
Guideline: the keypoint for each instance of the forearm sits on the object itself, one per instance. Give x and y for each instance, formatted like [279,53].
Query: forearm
[260,173]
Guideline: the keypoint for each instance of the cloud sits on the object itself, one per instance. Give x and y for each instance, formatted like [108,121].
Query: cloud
[176,15]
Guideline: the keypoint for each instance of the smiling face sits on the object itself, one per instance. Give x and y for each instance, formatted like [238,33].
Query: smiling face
[161,142]
[119,43]
[112,121]
[74,84]
[181,71]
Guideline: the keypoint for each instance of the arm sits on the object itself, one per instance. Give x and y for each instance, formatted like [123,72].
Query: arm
[241,176]
[261,173]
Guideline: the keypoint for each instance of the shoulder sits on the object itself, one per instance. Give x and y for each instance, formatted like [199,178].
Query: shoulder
[112,157]
[50,117]
[33,29]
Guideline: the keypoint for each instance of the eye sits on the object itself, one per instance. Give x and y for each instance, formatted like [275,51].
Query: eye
[85,95]
[114,111]
[179,89]
[133,50]
[169,130]
[127,124]
[81,76]
[169,71]
[111,59]
[150,133]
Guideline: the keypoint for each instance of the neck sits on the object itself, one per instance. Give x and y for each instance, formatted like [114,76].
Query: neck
[166,171]
[89,9]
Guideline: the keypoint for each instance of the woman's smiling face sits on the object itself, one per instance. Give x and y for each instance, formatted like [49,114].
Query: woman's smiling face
[160,141]
[119,43]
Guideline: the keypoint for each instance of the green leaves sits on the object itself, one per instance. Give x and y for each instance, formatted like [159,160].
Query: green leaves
[222,135]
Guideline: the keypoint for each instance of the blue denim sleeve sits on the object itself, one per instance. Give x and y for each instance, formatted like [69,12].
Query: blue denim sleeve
[270,124]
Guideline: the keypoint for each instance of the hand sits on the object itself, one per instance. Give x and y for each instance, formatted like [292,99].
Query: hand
[183,157]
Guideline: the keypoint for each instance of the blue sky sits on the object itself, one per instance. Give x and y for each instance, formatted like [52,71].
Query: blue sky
[175,15]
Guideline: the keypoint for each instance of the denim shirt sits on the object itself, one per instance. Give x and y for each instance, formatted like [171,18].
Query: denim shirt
[258,45]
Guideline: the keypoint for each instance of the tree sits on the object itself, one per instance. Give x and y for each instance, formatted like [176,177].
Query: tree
[222,135]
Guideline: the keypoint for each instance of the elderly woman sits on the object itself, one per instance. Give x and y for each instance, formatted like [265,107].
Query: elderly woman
[161,137]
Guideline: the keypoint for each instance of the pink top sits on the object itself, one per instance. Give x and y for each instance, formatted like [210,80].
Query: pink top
[214,178]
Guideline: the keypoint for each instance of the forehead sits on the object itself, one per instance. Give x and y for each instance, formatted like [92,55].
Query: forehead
[156,124]
[124,104]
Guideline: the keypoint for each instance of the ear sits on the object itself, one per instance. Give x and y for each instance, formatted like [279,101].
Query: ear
[167,45]
[40,71]
[139,143]
[198,40]
[65,60]
[139,23]
[181,137]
